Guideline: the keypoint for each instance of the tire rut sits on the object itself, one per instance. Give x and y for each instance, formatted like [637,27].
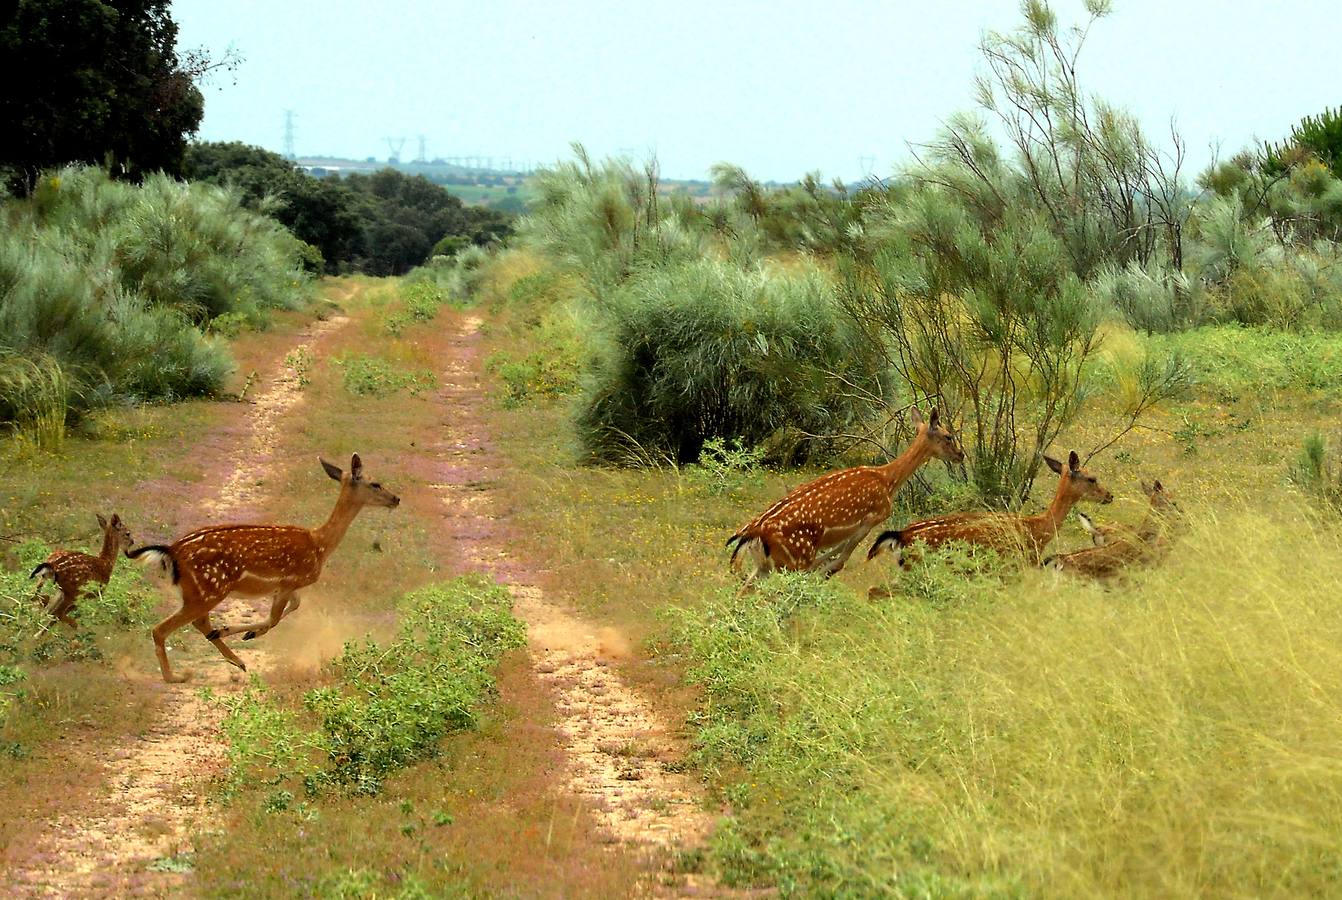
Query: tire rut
[620,753]
[154,788]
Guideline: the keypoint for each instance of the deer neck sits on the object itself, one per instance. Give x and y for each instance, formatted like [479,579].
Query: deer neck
[331,532]
[899,469]
[1051,519]
[111,543]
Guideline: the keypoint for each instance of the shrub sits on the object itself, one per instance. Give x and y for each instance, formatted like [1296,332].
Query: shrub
[390,704]
[707,350]
[112,283]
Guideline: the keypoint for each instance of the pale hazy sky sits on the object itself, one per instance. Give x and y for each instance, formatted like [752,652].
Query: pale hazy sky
[781,88]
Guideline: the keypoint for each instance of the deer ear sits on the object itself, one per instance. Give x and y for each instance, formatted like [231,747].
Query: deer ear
[932,419]
[333,471]
[102,523]
[1054,465]
[1158,487]
[116,519]
[915,417]
[1073,461]
[355,467]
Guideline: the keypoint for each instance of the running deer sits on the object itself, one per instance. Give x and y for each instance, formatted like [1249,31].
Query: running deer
[1003,532]
[1115,547]
[817,526]
[72,570]
[211,563]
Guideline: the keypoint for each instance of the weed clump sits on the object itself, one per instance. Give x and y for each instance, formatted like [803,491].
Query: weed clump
[390,704]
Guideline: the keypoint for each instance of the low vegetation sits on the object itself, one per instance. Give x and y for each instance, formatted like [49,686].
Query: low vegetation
[388,704]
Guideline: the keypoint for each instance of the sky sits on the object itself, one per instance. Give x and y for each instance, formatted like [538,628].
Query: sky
[781,88]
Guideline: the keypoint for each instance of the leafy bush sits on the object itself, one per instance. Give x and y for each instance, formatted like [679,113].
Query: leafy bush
[390,704]
[111,283]
[707,350]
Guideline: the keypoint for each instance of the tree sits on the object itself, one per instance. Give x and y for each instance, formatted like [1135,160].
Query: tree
[321,211]
[101,83]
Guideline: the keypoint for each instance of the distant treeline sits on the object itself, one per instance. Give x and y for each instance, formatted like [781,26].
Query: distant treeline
[385,223]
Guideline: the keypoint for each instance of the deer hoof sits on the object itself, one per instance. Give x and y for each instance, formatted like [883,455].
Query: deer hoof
[249,635]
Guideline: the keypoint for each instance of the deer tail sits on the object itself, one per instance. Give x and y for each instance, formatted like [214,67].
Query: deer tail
[892,541]
[45,570]
[157,554]
[744,539]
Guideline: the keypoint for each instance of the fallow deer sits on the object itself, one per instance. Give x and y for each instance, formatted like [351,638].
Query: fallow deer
[72,570]
[1004,532]
[211,563]
[1115,547]
[817,526]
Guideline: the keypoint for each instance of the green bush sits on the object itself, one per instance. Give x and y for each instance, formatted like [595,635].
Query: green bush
[708,350]
[113,284]
[389,704]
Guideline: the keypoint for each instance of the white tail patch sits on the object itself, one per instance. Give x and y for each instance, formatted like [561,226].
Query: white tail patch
[157,563]
[1096,536]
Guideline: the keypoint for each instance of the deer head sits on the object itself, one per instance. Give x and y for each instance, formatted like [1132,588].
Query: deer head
[940,439]
[115,529]
[360,492]
[1077,483]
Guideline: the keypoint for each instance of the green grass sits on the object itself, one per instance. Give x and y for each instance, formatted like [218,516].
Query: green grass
[987,730]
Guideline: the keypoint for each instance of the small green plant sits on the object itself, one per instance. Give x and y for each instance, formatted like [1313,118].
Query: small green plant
[299,361]
[371,376]
[725,467]
[535,376]
[1316,472]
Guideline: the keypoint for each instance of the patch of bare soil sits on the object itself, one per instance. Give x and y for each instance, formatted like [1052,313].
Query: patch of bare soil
[620,753]
[132,839]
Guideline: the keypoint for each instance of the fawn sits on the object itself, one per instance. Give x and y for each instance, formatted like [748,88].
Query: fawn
[72,570]
[1115,547]
[209,564]
[1005,532]
[817,525]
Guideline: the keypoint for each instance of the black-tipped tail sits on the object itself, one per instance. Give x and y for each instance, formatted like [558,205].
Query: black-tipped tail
[742,540]
[159,553]
[886,540]
[38,571]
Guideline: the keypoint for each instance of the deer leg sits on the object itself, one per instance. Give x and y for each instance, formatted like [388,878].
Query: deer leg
[204,627]
[161,632]
[277,612]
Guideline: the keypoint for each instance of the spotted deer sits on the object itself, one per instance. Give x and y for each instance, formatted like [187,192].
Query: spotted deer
[211,563]
[817,526]
[1116,548]
[72,570]
[1004,532]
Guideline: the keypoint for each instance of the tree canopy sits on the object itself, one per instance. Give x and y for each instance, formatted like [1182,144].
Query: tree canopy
[101,83]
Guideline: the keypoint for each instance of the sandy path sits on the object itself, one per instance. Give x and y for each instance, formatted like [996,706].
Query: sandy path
[154,787]
[617,745]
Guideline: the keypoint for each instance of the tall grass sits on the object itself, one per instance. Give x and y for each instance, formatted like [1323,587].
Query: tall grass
[108,286]
[1037,735]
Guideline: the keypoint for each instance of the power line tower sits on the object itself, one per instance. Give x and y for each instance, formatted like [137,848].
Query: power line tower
[394,145]
[289,135]
[866,163]
[423,153]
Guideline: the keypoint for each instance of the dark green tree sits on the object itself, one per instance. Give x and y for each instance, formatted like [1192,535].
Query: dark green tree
[95,82]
